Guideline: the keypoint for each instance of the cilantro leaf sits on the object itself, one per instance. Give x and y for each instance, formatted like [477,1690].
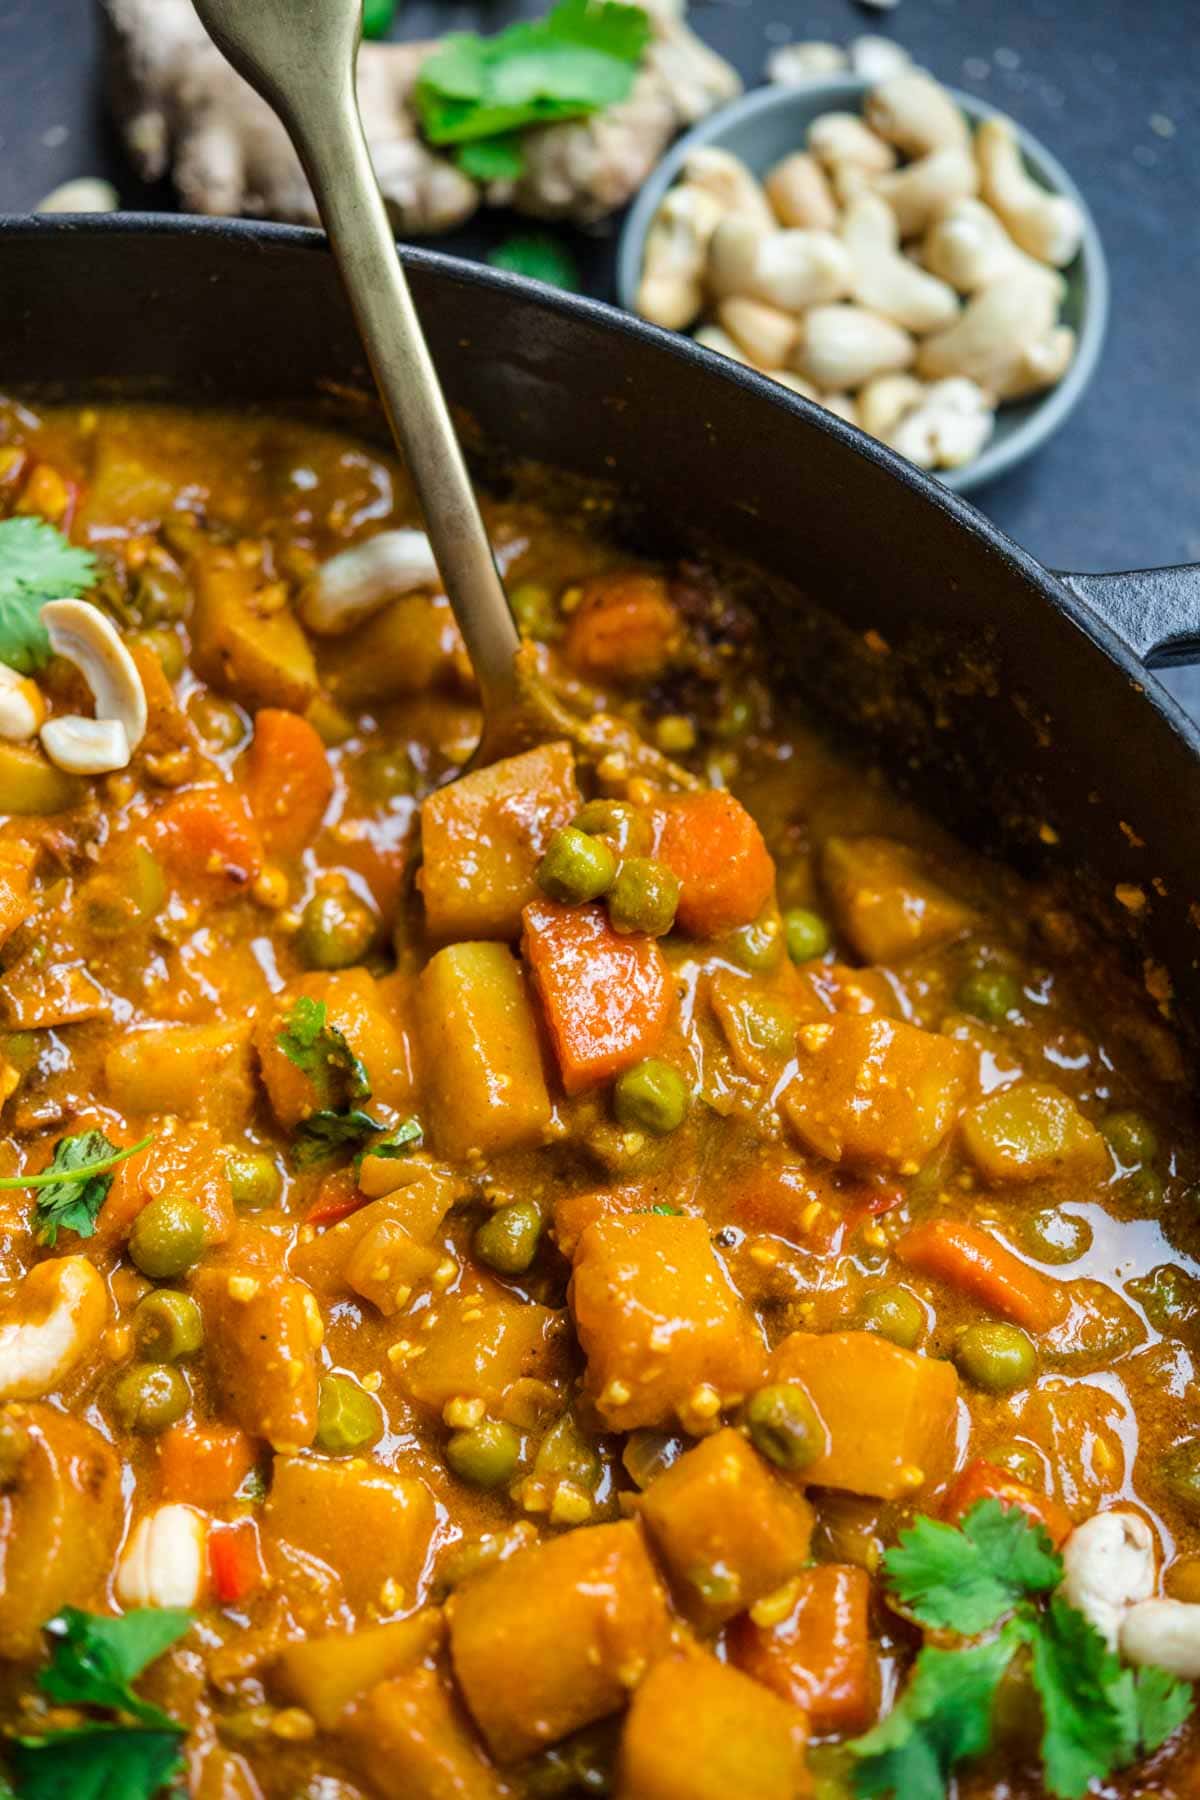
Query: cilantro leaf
[401,1142]
[102,1762]
[72,1190]
[322,1133]
[320,1051]
[537,254]
[36,564]
[965,1578]
[943,1715]
[1152,1704]
[492,158]
[94,1659]
[1084,1735]
[582,56]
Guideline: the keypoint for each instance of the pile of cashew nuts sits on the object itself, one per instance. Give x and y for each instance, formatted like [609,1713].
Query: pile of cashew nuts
[899,270]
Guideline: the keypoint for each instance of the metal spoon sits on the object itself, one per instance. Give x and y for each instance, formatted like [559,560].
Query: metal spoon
[300,55]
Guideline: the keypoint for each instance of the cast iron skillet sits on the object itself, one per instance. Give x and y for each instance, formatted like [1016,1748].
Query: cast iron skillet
[1016,701]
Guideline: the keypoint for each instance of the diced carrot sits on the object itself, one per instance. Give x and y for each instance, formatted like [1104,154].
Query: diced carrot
[235,1561]
[982,1480]
[819,1655]
[607,998]
[203,1465]
[624,627]
[206,838]
[288,780]
[339,1196]
[710,842]
[971,1260]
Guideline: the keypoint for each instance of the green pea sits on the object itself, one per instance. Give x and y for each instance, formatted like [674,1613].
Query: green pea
[336,930]
[121,898]
[166,646]
[168,1325]
[1143,1191]
[150,1396]
[254,1179]
[348,1418]
[387,772]
[218,721]
[628,831]
[1020,1458]
[785,1426]
[652,1096]
[1181,1476]
[1131,1137]
[576,867]
[160,595]
[15,1444]
[534,610]
[806,934]
[989,994]
[896,1315]
[675,734]
[486,1455]
[758,947]
[643,897]
[996,1358]
[167,1237]
[508,1241]
[21,1049]
[1056,1237]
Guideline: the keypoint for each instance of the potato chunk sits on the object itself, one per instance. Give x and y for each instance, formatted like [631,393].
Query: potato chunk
[699,1730]
[483,836]
[727,1530]
[258,1337]
[373,1528]
[875,1092]
[659,1321]
[885,905]
[557,1636]
[890,1413]
[372,1254]
[488,1349]
[243,642]
[193,1071]
[1032,1132]
[354,1005]
[327,1674]
[411,1741]
[484,1085]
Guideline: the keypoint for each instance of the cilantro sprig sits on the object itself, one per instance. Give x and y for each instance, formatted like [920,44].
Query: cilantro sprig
[990,1575]
[540,256]
[320,1051]
[476,94]
[72,1190]
[36,564]
[94,1662]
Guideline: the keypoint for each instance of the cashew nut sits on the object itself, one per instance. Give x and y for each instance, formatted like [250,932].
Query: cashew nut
[670,293]
[1165,1633]
[82,634]
[61,1307]
[86,194]
[843,346]
[1108,1565]
[798,189]
[22,708]
[1005,339]
[796,384]
[792,65]
[1048,226]
[878,58]
[947,427]
[163,1562]
[968,246]
[914,112]
[766,335]
[922,189]
[842,138]
[885,280]
[711,337]
[356,583]
[729,182]
[841,404]
[788,269]
[884,400]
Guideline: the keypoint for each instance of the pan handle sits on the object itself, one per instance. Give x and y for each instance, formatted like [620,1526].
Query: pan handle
[1155,611]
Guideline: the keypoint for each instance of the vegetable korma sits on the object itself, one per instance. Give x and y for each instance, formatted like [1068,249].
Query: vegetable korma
[544,1283]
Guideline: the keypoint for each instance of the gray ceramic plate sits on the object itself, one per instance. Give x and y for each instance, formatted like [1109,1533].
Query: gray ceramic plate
[769,123]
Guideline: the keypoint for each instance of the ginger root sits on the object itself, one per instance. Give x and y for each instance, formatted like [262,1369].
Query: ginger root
[182,108]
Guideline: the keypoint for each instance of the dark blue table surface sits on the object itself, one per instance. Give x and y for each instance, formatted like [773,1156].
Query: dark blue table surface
[1112,86]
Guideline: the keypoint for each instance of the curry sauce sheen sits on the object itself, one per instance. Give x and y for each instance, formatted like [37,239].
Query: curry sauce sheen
[577,1225]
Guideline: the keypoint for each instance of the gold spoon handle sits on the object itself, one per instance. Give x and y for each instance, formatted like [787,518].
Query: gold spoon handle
[300,55]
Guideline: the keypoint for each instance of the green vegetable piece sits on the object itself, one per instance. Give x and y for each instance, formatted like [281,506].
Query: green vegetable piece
[254,1179]
[785,1426]
[895,1314]
[407,1137]
[72,1190]
[627,830]
[966,1577]
[534,610]
[942,1717]
[758,946]
[1019,1458]
[1169,1297]
[377,17]
[643,897]
[320,1050]
[1180,1475]
[324,1133]
[806,933]
[167,1237]
[532,253]
[498,158]
[508,1241]
[348,1418]
[94,1659]
[1143,1191]
[167,1325]
[576,867]
[652,1096]
[485,1455]
[150,1396]
[36,564]
[989,994]
[995,1357]
[1054,1236]
[336,931]
[1131,1137]
[387,772]
[100,1762]
[565,1454]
